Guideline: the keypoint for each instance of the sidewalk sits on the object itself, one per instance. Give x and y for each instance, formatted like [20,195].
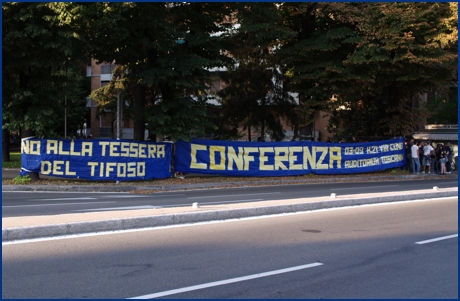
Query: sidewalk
[207,182]
[20,228]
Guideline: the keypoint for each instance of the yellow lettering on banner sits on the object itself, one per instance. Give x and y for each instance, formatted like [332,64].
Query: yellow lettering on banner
[133,150]
[93,167]
[109,167]
[121,170]
[113,149]
[293,158]
[335,154]
[309,158]
[61,151]
[101,170]
[152,150]
[161,151]
[233,158]
[24,146]
[132,169]
[72,149]
[30,147]
[67,169]
[396,146]
[51,146]
[320,164]
[87,148]
[212,157]
[280,158]
[104,145]
[57,165]
[263,158]
[34,148]
[141,169]
[194,149]
[54,167]
[124,149]
[247,157]
[46,168]
[384,148]
[142,151]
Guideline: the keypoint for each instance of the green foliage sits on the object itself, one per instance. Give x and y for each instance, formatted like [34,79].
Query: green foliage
[163,78]
[179,118]
[21,180]
[443,107]
[40,71]
[373,56]
[254,94]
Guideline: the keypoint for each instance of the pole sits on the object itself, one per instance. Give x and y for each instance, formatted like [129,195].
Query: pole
[118,120]
[65,102]
[118,117]
[65,116]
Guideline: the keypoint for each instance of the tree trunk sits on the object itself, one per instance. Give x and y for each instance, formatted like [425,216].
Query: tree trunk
[139,117]
[25,133]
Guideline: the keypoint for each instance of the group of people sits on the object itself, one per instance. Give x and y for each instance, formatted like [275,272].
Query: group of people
[424,158]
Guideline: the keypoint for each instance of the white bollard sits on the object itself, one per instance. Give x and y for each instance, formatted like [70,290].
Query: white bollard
[435,188]
[196,205]
[333,195]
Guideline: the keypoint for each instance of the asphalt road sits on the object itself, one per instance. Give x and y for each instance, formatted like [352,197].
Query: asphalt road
[361,252]
[51,203]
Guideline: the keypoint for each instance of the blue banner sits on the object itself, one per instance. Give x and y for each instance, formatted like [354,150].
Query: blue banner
[120,160]
[287,158]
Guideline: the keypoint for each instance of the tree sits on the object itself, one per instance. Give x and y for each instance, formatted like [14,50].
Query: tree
[165,49]
[255,95]
[40,70]
[375,57]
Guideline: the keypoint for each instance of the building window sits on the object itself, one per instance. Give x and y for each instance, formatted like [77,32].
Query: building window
[107,69]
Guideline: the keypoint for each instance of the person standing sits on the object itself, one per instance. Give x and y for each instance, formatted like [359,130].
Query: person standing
[438,151]
[415,158]
[449,155]
[433,160]
[409,155]
[426,160]
[443,162]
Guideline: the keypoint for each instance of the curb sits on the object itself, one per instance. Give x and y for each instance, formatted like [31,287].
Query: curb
[55,230]
[122,188]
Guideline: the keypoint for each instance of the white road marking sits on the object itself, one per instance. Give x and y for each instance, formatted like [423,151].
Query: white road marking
[19,206]
[63,199]
[140,196]
[227,281]
[224,196]
[120,208]
[436,239]
[207,203]
[236,201]
[363,187]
